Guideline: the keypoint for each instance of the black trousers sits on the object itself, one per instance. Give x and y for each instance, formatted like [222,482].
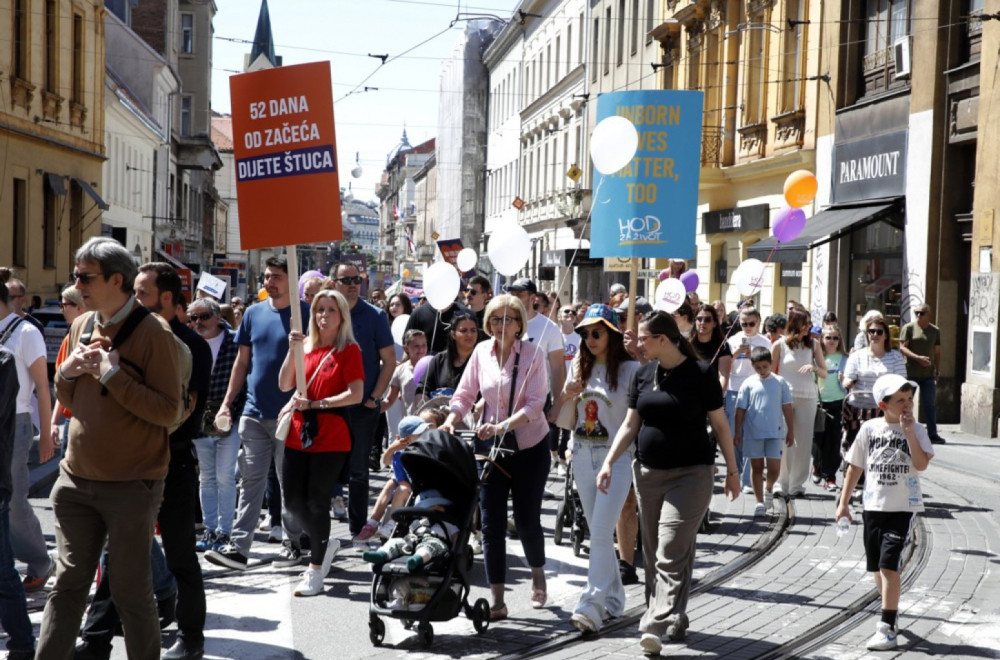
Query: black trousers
[176,518]
[309,478]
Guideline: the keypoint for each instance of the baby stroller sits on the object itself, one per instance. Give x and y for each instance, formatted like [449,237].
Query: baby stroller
[570,516]
[440,590]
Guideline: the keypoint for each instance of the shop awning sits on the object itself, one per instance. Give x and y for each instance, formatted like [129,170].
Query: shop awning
[822,228]
[170,259]
[87,188]
[55,183]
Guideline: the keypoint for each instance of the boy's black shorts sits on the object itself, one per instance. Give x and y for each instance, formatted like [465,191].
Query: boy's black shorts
[886,533]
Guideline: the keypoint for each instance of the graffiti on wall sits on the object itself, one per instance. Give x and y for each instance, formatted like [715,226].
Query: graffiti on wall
[984,300]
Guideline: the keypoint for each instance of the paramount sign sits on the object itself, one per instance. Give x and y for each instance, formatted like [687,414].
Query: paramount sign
[870,168]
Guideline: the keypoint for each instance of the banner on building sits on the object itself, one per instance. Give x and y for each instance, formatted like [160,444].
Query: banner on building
[649,208]
[285,156]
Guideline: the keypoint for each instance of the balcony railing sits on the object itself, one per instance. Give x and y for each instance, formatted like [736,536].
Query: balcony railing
[711,146]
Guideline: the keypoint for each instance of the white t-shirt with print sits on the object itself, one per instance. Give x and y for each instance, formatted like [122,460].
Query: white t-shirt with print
[600,411]
[27,344]
[891,481]
[572,347]
[741,368]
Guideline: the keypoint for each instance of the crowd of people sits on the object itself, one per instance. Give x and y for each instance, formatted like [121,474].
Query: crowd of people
[172,413]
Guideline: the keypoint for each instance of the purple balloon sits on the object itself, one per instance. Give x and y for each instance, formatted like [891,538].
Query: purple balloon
[689,279]
[790,224]
[664,274]
[421,368]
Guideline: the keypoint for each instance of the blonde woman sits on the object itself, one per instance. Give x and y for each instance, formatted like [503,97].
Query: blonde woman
[319,443]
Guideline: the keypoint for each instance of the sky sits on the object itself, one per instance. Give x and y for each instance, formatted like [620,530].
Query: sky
[369,124]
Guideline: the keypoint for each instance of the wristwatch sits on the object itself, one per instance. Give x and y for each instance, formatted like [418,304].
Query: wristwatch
[376,400]
[323,404]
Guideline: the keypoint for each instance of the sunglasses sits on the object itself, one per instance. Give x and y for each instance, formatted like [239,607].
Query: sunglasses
[704,319]
[65,304]
[350,279]
[878,332]
[591,334]
[201,317]
[831,338]
[84,278]
[567,312]
[748,324]
[919,313]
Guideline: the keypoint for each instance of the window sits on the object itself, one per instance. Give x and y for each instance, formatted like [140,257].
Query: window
[620,53]
[21,40]
[792,56]
[595,54]
[51,46]
[607,41]
[185,116]
[756,74]
[77,91]
[580,36]
[973,42]
[650,15]
[20,216]
[883,23]
[187,34]
[557,62]
[49,221]
[634,25]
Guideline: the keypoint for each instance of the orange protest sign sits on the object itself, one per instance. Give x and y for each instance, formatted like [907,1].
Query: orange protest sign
[285,156]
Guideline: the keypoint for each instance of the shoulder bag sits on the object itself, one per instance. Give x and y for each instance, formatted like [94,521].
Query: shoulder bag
[285,416]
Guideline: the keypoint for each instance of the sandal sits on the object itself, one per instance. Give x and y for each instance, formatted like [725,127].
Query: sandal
[498,613]
[538,598]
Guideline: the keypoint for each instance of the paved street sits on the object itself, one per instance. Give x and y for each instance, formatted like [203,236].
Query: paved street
[785,587]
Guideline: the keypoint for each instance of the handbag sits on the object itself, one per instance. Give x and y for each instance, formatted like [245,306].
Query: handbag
[507,443]
[567,414]
[285,416]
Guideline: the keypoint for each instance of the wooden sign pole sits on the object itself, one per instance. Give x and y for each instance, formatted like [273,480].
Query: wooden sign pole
[633,285]
[298,351]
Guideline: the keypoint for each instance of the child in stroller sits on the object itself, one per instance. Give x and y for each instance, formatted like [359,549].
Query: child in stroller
[442,473]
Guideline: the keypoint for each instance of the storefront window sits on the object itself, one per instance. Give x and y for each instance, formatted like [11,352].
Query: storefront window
[877,272]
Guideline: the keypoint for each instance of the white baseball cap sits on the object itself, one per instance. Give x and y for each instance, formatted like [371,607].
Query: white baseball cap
[888,385]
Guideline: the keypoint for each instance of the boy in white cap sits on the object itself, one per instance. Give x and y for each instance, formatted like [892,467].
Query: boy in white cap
[890,451]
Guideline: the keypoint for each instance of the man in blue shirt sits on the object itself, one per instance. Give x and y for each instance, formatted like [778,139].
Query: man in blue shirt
[263,340]
[371,331]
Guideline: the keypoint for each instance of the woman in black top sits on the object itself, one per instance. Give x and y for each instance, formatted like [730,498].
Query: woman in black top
[669,399]
[707,339]
[447,367]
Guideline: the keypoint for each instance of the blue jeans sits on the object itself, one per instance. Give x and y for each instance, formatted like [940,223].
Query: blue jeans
[928,410]
[603,595]
[25,531]
[217,480]
[13,607]
[738,451]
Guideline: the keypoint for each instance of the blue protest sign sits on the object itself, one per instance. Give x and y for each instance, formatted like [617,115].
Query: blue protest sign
[649,207]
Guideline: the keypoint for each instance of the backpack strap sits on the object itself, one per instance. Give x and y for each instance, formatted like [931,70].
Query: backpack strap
[9,330]
[132,321]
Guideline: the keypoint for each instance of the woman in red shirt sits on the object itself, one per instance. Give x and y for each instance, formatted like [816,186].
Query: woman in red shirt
[319,443]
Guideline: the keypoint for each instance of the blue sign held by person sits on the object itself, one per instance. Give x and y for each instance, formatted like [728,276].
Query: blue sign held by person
[649,207]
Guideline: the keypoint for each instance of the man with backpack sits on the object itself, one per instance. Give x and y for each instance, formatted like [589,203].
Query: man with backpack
[124,394]
[157,287]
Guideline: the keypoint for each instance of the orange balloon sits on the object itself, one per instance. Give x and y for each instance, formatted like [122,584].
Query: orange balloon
[800,188]
[262,295]
[406,273]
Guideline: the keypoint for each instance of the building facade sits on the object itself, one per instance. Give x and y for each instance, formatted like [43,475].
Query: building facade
[53,136]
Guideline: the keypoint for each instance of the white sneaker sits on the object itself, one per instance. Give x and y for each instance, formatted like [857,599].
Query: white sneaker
[650,644]
[760,510]
[331,551]
[768,501]
[385,529]
[274,535]
[265,524]
[748,490]
[339,510]
[884,638]
[561,470]
[311,584]
[477,543]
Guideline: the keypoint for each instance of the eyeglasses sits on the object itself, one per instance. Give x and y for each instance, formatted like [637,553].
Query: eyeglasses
[201,317]
[350,279]
[748,324]
[65,304]
[831,338]
[591,334]
[84,278]
[919,313]
[503,320]
[704,319]
[878,332]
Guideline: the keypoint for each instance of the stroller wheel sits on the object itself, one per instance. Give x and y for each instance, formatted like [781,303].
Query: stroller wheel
[481,615]
[577,542]
[376,631]
[557,532]
[426,633]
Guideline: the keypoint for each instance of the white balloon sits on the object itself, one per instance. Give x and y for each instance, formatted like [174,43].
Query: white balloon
[670,294]
[748,278]
[613,144]
[509,250]
[441,284]
[399,328]
[467,260]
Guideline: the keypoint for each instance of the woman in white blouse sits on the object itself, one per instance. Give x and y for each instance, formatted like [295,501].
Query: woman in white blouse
[860,373]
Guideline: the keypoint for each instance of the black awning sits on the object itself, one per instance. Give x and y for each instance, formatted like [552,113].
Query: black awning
[55,184]
[85,187]
[822,228]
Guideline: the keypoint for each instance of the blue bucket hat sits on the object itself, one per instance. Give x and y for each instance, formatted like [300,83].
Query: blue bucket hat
[412,425]
[599,313]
